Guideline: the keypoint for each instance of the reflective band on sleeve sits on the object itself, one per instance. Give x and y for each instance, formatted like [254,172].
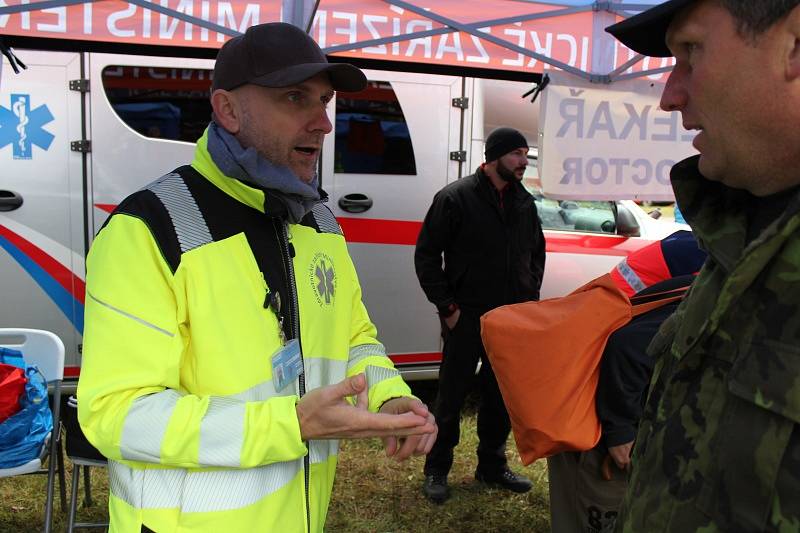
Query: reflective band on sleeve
[190,226]
[132,317]
[376,374]
[630,276]
[222,433]
[325,219]
[198,491]
[145,425]
[320,451]
[362,351]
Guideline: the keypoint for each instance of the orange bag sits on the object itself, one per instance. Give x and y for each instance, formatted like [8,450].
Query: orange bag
[546,356]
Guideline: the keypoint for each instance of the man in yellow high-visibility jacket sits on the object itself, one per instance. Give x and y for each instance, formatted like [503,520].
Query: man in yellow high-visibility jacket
[225,331]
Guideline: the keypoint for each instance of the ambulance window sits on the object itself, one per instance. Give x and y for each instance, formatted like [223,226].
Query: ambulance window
[372,136]
[162,103]
[568,215]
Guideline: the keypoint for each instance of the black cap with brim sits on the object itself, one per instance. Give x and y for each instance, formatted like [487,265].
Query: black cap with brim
[277,54]
[646,32]
[344,76]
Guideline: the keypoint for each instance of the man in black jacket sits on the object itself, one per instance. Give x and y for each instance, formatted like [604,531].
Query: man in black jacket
[487,227]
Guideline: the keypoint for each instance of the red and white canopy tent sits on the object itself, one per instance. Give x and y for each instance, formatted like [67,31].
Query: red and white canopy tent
[517,40]
[503,39]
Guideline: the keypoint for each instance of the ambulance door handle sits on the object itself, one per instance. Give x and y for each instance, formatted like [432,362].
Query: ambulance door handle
[9,200]
[355,202]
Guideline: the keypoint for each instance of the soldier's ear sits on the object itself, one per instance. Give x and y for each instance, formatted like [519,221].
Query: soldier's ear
[227,110]
[793,41]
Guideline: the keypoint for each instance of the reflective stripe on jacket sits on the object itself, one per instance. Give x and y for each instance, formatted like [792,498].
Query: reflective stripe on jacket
[671,257]
[176,384]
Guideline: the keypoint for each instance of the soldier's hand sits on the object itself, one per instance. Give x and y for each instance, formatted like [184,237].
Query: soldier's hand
[325,413]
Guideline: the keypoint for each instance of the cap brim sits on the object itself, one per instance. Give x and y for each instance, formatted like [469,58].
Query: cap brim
[344,76]
[646,32]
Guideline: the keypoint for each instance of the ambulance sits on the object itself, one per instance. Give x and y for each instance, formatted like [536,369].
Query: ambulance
[81,130]
[69,155]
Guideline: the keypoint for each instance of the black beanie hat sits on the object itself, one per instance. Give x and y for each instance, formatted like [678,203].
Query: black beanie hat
[501,141]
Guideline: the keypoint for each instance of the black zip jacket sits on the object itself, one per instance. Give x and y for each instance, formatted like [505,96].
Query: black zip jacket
[492,256]
[626,368]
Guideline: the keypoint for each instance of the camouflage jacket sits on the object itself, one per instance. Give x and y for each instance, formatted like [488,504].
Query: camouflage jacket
[718,448]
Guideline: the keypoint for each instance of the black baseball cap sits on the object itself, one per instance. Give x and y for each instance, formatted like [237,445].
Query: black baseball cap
[646,32]
[278,54]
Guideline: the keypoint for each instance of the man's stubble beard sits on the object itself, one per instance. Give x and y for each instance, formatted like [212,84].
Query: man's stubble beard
[506,174]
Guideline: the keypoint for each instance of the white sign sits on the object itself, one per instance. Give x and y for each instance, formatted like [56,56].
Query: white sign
[607,142]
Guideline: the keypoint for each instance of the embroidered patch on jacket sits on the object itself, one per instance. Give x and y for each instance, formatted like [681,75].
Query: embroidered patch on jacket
[322,276]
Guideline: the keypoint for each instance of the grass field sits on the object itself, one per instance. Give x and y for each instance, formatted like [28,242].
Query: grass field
[375,495]
[372,495]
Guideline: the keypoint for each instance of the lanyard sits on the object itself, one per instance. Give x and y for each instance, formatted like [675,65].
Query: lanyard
[272,301]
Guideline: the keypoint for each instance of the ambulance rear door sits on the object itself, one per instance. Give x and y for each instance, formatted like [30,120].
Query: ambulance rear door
[41,200]
[389,154]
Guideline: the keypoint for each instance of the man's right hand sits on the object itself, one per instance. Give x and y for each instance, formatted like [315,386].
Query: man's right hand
[324,413]
[452,320]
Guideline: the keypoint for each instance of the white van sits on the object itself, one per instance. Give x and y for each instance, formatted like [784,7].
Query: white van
[80,131]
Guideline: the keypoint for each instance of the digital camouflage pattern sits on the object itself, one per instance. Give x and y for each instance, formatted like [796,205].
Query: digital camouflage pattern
[718,448]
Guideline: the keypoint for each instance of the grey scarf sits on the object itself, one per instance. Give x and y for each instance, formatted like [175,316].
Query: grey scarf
[278,181]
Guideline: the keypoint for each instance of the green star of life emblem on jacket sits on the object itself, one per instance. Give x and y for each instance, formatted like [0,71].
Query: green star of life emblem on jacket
[323,278]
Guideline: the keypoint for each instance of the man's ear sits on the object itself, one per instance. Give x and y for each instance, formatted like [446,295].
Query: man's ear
[793,56]
[227,110]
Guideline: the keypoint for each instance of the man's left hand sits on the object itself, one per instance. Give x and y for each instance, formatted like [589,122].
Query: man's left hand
[621,455]
[401,448]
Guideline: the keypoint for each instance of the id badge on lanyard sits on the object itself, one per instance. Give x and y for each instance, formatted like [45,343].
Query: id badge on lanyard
[287,362]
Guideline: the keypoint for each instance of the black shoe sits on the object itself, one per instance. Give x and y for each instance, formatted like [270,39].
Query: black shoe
[435,488]
[505,479]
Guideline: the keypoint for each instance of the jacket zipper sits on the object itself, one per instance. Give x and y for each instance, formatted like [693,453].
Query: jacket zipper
[500,210]
[287,253]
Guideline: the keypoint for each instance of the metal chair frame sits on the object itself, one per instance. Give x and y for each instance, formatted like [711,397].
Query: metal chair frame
[77,464]
[83,456]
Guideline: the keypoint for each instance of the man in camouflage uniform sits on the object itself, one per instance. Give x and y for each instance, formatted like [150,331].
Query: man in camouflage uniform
[719,445]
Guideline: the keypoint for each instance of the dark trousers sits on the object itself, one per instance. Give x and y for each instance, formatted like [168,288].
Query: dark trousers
[462,350]
[581,501]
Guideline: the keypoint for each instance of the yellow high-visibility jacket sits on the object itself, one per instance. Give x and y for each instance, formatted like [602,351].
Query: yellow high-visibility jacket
[176,384]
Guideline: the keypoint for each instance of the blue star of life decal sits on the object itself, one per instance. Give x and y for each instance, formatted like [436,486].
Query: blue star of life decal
[22,127]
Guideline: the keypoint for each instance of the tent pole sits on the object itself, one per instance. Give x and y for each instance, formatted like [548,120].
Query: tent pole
[299,12]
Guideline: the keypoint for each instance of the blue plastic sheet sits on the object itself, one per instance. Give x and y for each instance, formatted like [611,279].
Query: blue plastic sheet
[10,356]
[23,434]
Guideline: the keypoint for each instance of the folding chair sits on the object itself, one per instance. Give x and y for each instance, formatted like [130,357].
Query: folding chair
[45,350]
[82,455]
